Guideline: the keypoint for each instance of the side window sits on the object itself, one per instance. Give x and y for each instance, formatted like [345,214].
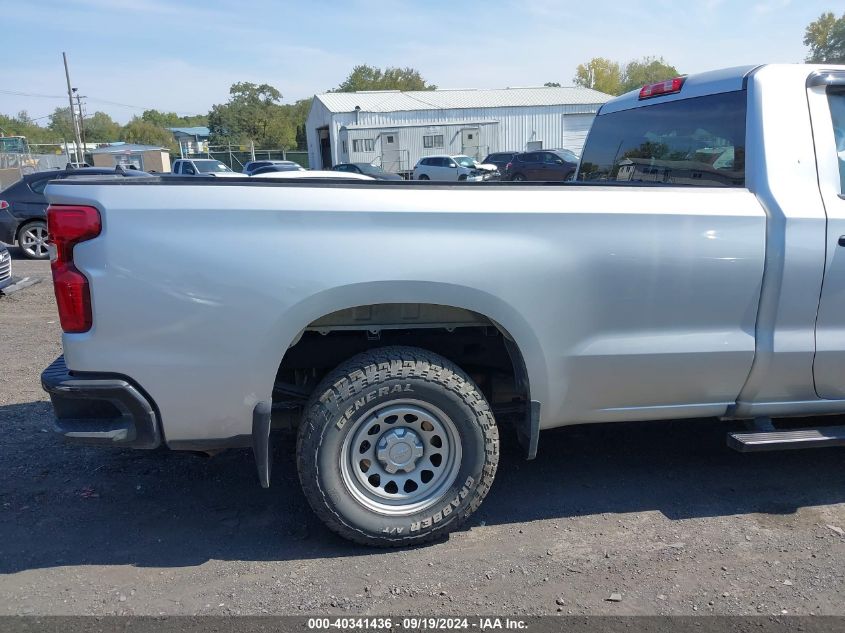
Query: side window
[342,168]
[698,141]
[550,158]
[448,162]
[177,167]
[836,100]
[533,157]
[363,144]
[38,186]
[432,141]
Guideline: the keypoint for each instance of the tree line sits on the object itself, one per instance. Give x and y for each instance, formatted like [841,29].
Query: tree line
[255,112]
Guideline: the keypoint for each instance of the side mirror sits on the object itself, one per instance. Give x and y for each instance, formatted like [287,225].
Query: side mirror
[558,161]
[189,170]
[454,165]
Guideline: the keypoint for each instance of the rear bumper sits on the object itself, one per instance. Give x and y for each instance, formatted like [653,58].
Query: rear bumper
[102,409]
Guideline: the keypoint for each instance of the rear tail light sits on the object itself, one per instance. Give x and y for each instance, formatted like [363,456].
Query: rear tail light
[508,166]
[668,87]
[4,205]
[68,226]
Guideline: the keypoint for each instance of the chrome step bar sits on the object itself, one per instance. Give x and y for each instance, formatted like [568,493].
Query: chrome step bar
[776,440]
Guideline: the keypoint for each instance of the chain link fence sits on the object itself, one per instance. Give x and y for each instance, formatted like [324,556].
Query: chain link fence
[14,165]
[236,156]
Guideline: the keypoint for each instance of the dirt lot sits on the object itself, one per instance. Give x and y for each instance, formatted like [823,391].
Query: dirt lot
[664,515]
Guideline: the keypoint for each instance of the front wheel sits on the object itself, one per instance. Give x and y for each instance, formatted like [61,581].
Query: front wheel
[423,177]
[32,238]
[397,447]
[518,178]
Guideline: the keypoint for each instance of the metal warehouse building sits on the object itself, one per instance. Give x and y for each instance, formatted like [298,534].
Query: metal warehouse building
[395,129]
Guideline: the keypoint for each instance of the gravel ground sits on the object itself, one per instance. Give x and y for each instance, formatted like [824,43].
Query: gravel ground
[664,515]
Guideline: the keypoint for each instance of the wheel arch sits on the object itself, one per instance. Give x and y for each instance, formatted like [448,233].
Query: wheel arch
[527,357]
[22,224]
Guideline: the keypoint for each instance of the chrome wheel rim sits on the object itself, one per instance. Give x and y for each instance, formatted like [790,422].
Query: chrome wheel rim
[401,457]
[33,241]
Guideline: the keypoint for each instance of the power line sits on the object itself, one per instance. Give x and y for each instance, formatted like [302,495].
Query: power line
[19,93]
[31,94]
[137,107]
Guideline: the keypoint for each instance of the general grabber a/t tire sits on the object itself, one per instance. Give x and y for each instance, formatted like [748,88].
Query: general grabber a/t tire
[397,447]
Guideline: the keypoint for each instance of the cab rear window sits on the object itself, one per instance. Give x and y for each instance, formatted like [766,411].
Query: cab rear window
[698,141]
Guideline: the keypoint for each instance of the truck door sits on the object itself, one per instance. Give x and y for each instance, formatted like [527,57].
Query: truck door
[827,109]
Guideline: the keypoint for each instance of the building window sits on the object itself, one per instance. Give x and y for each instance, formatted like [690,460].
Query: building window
[435,140]
[363,145]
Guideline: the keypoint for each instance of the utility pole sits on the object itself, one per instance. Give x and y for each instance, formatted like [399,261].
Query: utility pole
[72,116]
[81,122]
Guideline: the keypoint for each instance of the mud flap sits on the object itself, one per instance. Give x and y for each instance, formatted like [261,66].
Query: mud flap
[528,432]
[261,447]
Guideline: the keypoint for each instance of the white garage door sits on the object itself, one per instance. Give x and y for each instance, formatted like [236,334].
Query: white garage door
[575,128]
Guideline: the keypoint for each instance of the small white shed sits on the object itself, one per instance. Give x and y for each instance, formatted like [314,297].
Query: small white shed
[395,129]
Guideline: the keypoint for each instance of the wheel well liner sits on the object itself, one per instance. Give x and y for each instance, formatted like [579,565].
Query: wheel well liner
[383,322]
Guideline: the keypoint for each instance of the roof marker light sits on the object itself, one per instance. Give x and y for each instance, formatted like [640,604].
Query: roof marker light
[668,87]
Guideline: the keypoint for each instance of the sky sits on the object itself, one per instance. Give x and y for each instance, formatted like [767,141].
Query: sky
[182,55]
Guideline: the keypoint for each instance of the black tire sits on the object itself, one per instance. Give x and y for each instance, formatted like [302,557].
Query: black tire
[32,238]
[424,177]
[374,384]
[519,178]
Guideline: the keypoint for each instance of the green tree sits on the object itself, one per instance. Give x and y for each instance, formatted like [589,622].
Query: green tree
[298,113]
[552,84]
[171,119]
[611,77]
[253,113]
[826,39]
[61,124]
[365,77]
[145,133]
[100,128]
[600,74]
[23,125]
[647,70]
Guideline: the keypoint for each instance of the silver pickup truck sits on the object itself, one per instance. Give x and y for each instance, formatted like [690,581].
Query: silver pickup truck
[695,269]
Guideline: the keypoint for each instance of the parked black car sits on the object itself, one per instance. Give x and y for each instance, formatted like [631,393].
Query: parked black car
[549,165]
[368,170]
[254,165]
[500,160]
[23,207]
[266,169]
[5,267]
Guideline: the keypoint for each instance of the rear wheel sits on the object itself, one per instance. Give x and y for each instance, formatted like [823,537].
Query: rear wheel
[518,178]
[424,177]
[398,446]
[32,239]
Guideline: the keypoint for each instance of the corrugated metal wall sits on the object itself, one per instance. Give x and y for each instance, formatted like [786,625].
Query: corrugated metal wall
[500,129]
[411,140]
